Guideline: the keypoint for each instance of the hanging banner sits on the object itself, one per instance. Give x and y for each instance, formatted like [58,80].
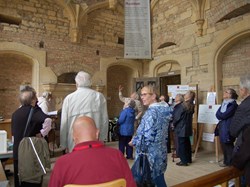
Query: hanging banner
[137,29]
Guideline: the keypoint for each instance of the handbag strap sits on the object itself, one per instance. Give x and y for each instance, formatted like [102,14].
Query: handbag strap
[142,144]
[28,121]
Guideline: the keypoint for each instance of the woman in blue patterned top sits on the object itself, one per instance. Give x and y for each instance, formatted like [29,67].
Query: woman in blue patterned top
[154,127]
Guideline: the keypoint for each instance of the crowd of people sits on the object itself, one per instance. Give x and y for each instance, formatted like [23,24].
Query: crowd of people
[145,122]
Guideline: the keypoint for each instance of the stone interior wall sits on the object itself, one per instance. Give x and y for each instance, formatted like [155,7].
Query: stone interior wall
[117,75]
[14,71]
[47,22]
[236,62]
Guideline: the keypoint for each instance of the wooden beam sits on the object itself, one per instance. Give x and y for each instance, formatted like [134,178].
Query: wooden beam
[210,180]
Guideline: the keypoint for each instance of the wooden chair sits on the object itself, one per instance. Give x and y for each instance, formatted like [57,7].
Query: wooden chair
[114,183]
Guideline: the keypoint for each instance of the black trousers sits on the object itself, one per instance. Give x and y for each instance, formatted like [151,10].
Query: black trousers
[23,184]
[185,149]
[123,143]
[227,149]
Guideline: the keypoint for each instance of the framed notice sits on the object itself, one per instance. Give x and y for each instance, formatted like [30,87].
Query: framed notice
[207,113]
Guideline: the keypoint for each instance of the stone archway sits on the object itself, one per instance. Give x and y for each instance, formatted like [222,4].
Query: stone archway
[113,72]
[118,75]
[168,67]
[40,73]
[28,67]
[232,61]
[168,73]
[16,70]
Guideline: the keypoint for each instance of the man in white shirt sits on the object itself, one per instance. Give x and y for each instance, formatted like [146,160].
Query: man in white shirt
[83,102]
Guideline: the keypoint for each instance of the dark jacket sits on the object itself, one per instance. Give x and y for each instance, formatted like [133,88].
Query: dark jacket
[240,120]
[182,121]
[18,123]
[126,121]
[241,159]
[225,121]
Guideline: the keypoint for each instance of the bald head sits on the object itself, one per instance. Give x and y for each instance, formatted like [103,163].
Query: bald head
[84,129]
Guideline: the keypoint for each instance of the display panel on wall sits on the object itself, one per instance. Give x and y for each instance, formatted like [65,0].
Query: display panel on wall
[137,29]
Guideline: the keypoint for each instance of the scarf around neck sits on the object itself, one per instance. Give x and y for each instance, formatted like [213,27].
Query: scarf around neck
[224,104]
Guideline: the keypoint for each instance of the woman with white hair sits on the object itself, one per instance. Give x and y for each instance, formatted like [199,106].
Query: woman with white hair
[44,102]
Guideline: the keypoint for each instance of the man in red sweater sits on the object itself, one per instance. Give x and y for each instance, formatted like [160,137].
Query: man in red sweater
[90,162]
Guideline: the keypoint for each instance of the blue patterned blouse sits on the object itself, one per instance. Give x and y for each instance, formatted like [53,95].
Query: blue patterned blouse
[154,126]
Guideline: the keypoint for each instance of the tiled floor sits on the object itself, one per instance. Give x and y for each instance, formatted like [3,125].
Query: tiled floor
[202,165]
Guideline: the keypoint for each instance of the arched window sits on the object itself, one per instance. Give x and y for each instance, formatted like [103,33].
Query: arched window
[67,78]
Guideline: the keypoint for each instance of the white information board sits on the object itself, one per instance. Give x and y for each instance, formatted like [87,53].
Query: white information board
[173,90]
[207,113]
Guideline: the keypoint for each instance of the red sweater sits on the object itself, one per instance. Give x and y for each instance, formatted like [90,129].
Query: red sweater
[91,163]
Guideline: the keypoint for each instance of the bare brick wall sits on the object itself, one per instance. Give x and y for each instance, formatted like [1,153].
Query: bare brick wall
[14,72]
[117,75]
[167,19]
[221,8]
[236,61]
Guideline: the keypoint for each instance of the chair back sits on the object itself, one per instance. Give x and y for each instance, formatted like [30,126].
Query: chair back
[114,183]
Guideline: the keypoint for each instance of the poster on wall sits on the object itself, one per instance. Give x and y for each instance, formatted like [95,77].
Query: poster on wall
[137,38]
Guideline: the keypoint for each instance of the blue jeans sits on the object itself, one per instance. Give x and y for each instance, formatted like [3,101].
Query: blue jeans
[160,181]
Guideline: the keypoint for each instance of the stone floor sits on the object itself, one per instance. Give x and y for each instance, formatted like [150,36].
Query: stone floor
[203,164]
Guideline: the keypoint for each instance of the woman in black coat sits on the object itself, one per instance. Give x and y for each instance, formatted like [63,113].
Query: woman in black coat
[38,126]
[183,129]
[225,114]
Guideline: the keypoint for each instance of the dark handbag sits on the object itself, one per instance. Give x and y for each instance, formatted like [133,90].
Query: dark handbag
[141,170]
[216,130]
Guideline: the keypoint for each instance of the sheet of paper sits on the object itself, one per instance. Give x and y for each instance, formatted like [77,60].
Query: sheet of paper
[207,113]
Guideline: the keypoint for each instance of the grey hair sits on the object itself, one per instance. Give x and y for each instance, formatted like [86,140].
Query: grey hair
[131,103]
[180,96]
[245,82]
[46,95]
[27,94]
[83,79]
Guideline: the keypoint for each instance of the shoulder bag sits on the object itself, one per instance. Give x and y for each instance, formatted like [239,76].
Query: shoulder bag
[36,151]
[141,169]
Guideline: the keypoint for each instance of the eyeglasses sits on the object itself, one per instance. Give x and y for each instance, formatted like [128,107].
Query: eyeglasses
[144,94]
